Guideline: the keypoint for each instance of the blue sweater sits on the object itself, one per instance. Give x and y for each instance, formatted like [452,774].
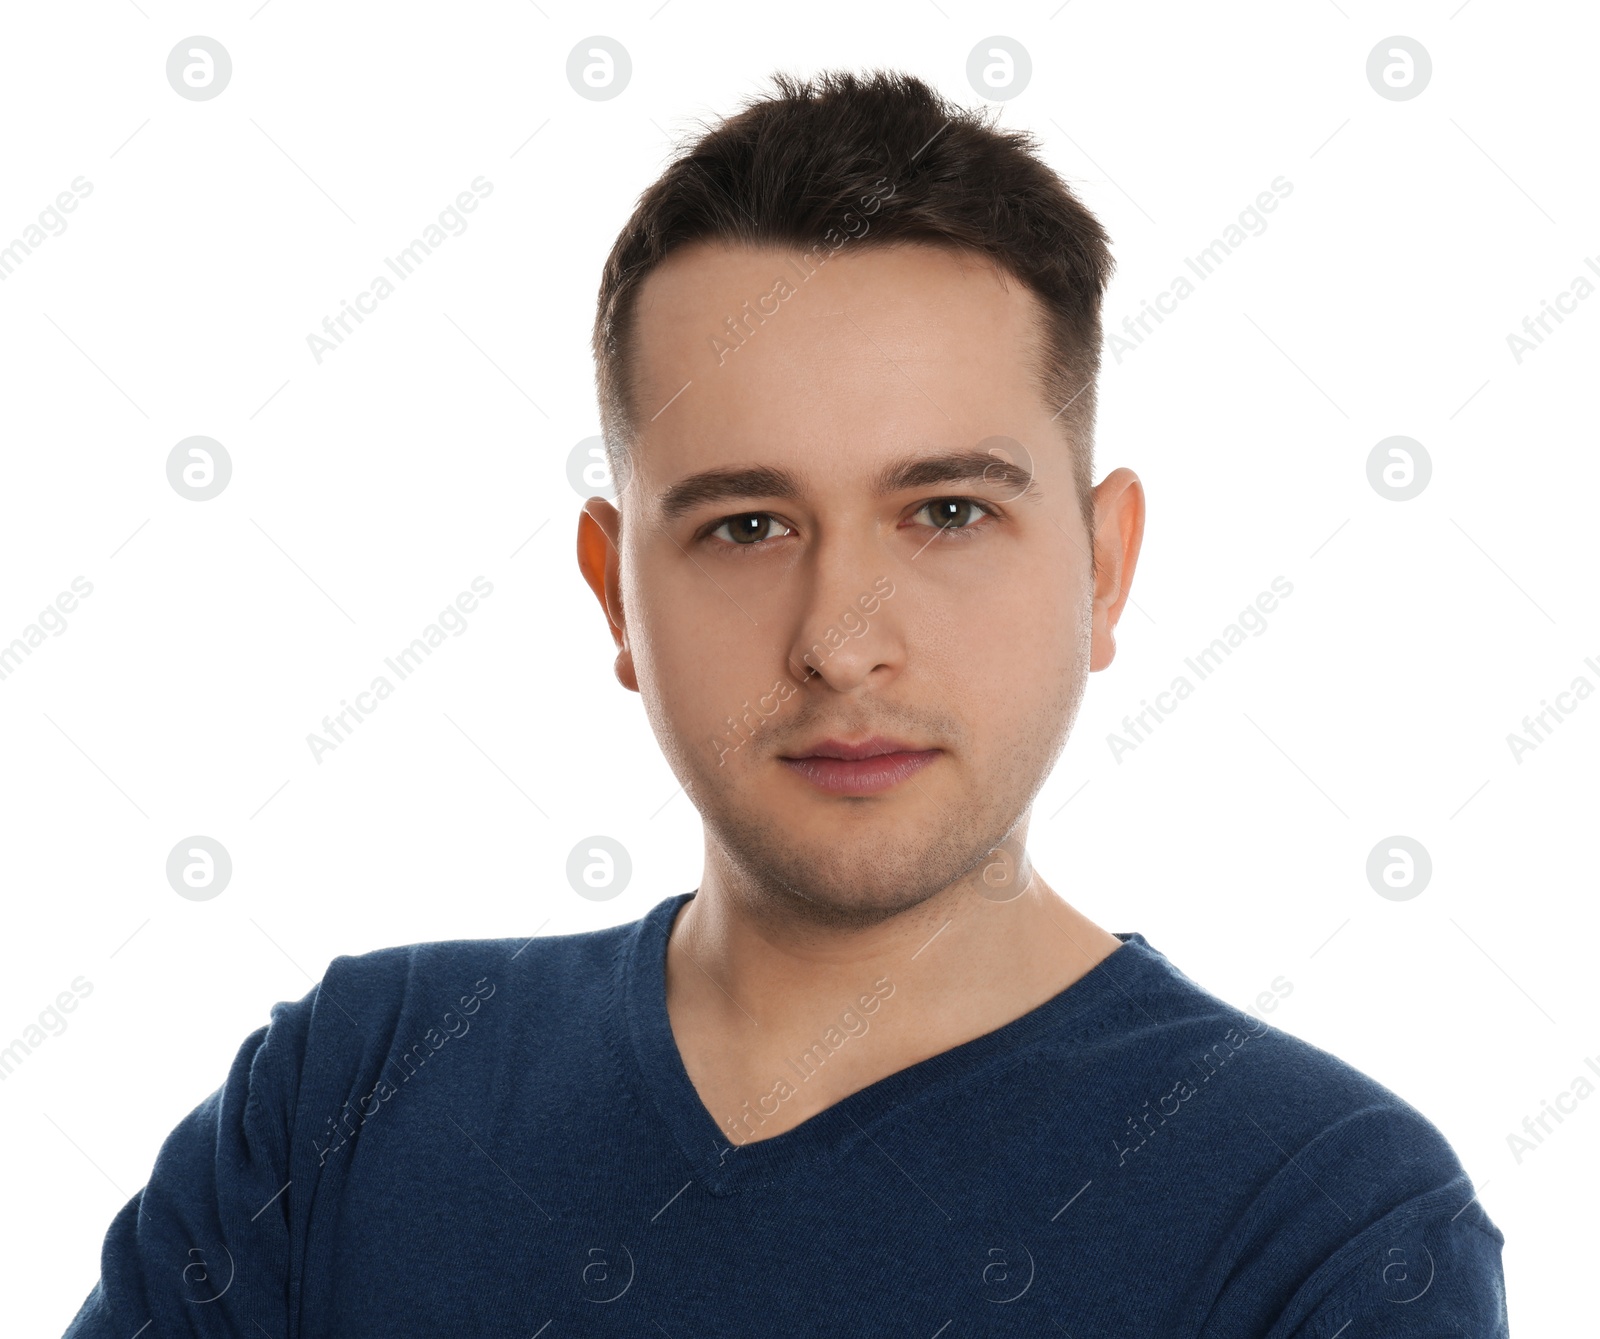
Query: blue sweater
[496,1138]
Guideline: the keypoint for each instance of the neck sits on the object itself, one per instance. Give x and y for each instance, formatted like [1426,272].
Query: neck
[961,964]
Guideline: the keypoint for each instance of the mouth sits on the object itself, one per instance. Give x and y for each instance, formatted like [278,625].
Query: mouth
[867,768]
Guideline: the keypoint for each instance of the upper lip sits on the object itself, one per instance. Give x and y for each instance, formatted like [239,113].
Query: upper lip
[874,747]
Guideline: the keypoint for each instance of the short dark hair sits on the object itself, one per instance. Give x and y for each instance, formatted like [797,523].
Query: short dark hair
[787,168]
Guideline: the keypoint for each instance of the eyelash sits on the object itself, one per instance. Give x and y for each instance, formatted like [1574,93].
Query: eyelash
[954,532]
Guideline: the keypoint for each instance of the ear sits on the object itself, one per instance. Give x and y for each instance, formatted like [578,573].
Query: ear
[599,535]
[1118,533]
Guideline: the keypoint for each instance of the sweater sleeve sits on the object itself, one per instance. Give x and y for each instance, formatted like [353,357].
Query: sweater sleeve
[1370,1230]
[1421,1271]
[204,1248]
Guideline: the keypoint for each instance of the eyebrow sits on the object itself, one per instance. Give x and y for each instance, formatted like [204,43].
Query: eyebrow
[945,467]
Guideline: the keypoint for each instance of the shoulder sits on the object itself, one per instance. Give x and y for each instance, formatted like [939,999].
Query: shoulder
[404,969]
[466,1012]
[377,999]
[1304,1092]
[1347,1199]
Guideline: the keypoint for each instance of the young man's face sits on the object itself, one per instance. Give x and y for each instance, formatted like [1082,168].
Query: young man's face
[884,356]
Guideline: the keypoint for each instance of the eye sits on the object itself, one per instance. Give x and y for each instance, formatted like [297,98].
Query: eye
[749,529]
[952,517]
[949,514]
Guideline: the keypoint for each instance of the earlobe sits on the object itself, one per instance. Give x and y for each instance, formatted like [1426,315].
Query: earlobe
[1103,646]
[623,667]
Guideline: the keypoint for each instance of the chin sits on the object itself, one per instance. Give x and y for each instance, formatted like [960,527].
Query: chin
[853,908]
[844,884]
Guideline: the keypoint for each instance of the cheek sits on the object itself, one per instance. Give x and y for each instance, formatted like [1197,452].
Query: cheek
[697,657]
[1009,656]
[983,634]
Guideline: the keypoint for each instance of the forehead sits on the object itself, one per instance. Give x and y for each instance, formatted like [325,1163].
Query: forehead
[881,349]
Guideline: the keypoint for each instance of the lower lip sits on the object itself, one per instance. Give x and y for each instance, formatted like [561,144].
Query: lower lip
[866,776]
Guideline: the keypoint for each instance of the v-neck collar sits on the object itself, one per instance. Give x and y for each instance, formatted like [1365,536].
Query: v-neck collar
[650,1052]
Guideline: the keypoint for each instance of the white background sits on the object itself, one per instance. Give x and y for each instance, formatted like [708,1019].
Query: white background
[431,448]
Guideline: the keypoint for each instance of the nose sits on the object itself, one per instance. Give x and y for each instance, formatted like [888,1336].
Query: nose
[845,633]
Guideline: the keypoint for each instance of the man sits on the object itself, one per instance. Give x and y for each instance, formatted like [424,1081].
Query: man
[874,1075]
